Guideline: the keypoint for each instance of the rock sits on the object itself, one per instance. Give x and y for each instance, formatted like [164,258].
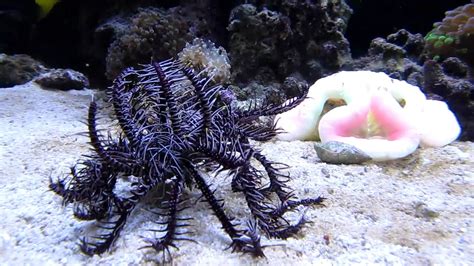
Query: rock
[154,32]
[422,211]
[451,80]
[454,67]
[21,68]
[271,34]
[397,56]
[340,153]
[294,86]
[63,79]
[18,69]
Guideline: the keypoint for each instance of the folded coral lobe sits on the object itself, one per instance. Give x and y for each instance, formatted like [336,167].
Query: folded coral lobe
[298,123]
[345,121]
[438,125]
[379,127]
[391,118]
[373,120]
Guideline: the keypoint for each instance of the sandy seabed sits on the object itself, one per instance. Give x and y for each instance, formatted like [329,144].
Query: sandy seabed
[418,210]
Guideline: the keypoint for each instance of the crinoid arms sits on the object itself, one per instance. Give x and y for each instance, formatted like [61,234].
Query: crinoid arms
[173,127]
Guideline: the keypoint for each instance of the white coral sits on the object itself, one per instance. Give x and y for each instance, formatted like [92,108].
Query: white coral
[372,120]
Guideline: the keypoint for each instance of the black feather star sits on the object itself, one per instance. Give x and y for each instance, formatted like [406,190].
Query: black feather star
[172,128]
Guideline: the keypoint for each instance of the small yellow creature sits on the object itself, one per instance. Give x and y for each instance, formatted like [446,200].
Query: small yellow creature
[45,6]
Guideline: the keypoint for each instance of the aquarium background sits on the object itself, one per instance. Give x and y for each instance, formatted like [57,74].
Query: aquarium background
[271,45]
[70,25]
[55,56]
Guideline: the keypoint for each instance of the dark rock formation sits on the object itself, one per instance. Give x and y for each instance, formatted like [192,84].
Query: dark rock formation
[18,69]
[340,153]
[369,21]
[398,56]
[450,80]
[63,79]
[154,32]
[272,40]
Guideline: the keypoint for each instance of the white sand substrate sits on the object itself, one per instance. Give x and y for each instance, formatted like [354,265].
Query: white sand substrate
[414,211]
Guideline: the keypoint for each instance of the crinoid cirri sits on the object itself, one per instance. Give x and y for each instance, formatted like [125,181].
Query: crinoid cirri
[173,126]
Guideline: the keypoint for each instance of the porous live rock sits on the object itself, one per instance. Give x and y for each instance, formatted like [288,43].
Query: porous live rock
[293,85]
[146,30]
[276,34]
[271,92]
[256,92]
[411,43]
[255,36]
[155,32]
[340,153]
[455,68]
[62,79]
[397,56]
[450,80]
[18,69]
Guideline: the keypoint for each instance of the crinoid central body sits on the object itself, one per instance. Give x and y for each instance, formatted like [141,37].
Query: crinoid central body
[172,128]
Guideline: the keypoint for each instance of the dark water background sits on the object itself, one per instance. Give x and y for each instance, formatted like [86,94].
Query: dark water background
[56,38]
[68,37]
